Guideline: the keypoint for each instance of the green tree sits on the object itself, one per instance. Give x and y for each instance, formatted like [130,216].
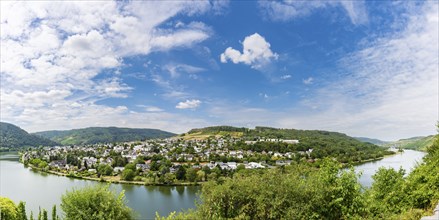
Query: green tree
[200,175]
[45,216]
[95,202]
[54,216]
[131,166]
[240,167]
[181,173]
[169,178]
[154,166]
[104,169]
[8,209]
[127,174]
[191,175]
[21,211]
[387,190]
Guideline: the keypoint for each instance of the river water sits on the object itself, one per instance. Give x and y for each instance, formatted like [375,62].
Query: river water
[44,190]
[406,160]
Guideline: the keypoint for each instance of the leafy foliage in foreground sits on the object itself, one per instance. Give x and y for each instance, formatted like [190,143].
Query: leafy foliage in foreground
[8,209]
[95,202]
[12,136]
[96,135]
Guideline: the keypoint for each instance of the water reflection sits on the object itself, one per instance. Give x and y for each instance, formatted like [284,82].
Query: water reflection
[180,190]
[165,190]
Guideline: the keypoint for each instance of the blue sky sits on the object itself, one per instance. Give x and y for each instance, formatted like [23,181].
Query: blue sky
[358,67]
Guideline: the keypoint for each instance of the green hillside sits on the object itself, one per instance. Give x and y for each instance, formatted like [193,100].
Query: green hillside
[13,137]
[95,135]
[371,140]
[323,143]
[414,143]
[214,131]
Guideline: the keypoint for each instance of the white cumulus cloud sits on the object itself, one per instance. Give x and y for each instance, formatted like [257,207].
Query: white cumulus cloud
[256,52]
[189,104]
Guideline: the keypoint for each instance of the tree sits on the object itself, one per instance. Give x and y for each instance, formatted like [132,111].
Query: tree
[169,178]
[128,174]
[154,166]
[54,216]
[200,175]
[240,167]
[45,217]
[181,173]
[95,202]
[8,209]
[21,211]
[191,175]
[105,169]
[130,166]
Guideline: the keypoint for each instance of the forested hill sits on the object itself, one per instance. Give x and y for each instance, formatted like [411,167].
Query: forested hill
[12,136]
[414,143]
[95,135]
[323,143]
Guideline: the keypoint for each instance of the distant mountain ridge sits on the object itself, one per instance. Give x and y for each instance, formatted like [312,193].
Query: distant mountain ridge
[372,140]
[94,135]
[12,136]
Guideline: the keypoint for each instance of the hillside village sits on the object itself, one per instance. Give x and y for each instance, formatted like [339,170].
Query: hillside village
[171,152]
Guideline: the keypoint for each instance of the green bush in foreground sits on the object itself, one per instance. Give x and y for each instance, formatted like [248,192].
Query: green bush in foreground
[95,202]
[8,209]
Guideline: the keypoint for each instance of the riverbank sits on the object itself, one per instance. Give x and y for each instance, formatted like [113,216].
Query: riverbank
[116,179]
[356,163]
[111,179]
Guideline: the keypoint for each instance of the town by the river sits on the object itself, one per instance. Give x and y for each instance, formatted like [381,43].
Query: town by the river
[42,190]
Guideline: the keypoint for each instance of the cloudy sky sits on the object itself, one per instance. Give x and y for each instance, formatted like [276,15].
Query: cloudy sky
[358,67]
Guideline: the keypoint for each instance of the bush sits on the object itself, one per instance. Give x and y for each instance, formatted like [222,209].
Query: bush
[8,209]
[95,202]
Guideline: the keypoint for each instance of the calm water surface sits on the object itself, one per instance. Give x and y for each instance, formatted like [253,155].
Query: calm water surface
[406,160]
[45,190]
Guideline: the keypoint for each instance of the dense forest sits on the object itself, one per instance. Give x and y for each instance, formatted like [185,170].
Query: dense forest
[12,137]
[96,135]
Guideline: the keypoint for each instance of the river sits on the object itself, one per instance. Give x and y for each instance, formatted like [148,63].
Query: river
[406,160]
[44,190]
